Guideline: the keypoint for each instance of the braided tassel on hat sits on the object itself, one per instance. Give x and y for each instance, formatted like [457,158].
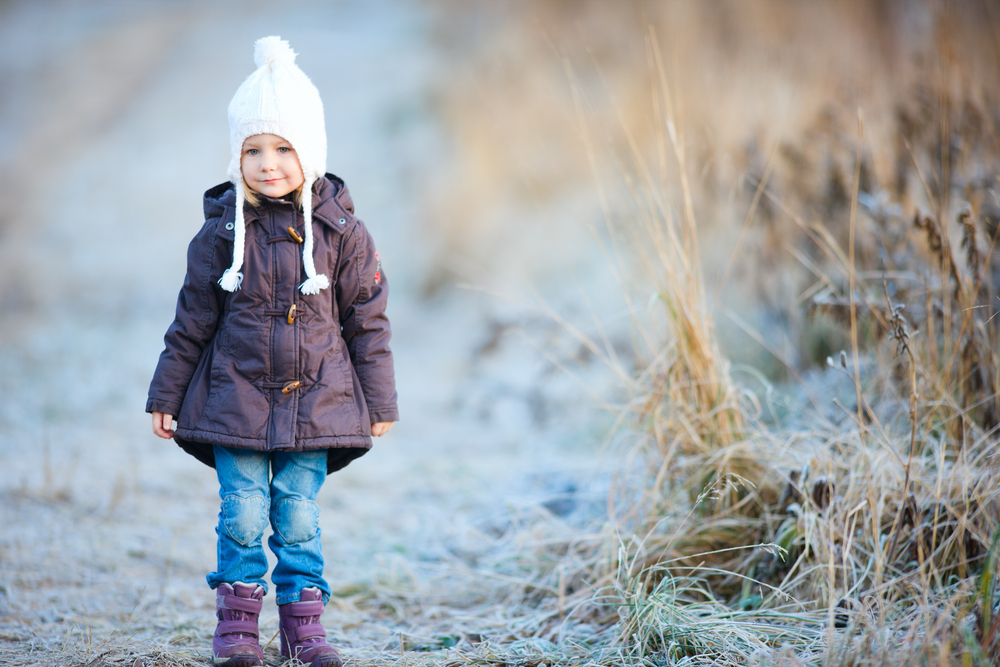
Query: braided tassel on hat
[313,283]
[233,277]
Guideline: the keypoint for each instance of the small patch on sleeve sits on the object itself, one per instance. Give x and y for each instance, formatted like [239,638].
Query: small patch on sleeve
[378,269]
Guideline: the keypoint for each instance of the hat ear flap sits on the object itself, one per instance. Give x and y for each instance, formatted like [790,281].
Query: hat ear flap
[233,278]
[313,283]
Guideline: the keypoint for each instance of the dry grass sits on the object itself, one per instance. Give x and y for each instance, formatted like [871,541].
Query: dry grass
[754,526]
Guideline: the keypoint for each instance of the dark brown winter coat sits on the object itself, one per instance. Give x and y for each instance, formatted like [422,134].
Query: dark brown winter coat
[240,370]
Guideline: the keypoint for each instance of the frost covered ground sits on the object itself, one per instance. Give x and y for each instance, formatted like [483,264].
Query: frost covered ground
[113,121]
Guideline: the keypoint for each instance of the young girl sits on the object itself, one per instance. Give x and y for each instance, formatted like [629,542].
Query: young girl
[277,365]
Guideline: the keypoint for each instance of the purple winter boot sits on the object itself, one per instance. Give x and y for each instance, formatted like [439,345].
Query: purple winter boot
[302,635]
[236,644]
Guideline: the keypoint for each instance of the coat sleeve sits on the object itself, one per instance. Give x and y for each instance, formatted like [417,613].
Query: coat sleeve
[197,315]
[362,292]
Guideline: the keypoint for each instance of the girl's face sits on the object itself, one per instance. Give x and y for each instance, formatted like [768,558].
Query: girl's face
[270,165]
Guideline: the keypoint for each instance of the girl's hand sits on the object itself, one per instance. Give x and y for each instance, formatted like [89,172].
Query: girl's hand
[381,428]
[163,425]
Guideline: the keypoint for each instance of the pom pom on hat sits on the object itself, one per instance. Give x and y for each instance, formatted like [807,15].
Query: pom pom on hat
[269,50]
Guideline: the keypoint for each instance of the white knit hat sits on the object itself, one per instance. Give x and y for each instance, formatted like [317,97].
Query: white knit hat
[277,99]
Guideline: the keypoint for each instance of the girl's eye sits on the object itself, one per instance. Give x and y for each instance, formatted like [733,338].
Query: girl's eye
[284,149]
[252,151]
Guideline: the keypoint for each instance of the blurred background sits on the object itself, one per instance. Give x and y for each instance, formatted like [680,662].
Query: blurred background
[493,150]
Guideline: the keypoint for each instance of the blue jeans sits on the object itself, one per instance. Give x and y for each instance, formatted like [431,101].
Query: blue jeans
[248,500]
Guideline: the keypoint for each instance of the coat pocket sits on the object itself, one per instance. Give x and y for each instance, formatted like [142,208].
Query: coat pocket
[236,406]
[246,347]
[328,407]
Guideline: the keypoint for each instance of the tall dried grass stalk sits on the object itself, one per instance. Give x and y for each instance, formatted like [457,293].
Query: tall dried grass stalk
[691,387]
[859,542]
[860,537]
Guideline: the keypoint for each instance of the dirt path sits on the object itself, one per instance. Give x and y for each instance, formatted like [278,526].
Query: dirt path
[117,114]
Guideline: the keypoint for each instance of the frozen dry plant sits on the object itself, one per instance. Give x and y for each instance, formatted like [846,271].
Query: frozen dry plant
[861,540]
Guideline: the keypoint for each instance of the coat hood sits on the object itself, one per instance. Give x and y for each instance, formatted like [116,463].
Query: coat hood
[330,198]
